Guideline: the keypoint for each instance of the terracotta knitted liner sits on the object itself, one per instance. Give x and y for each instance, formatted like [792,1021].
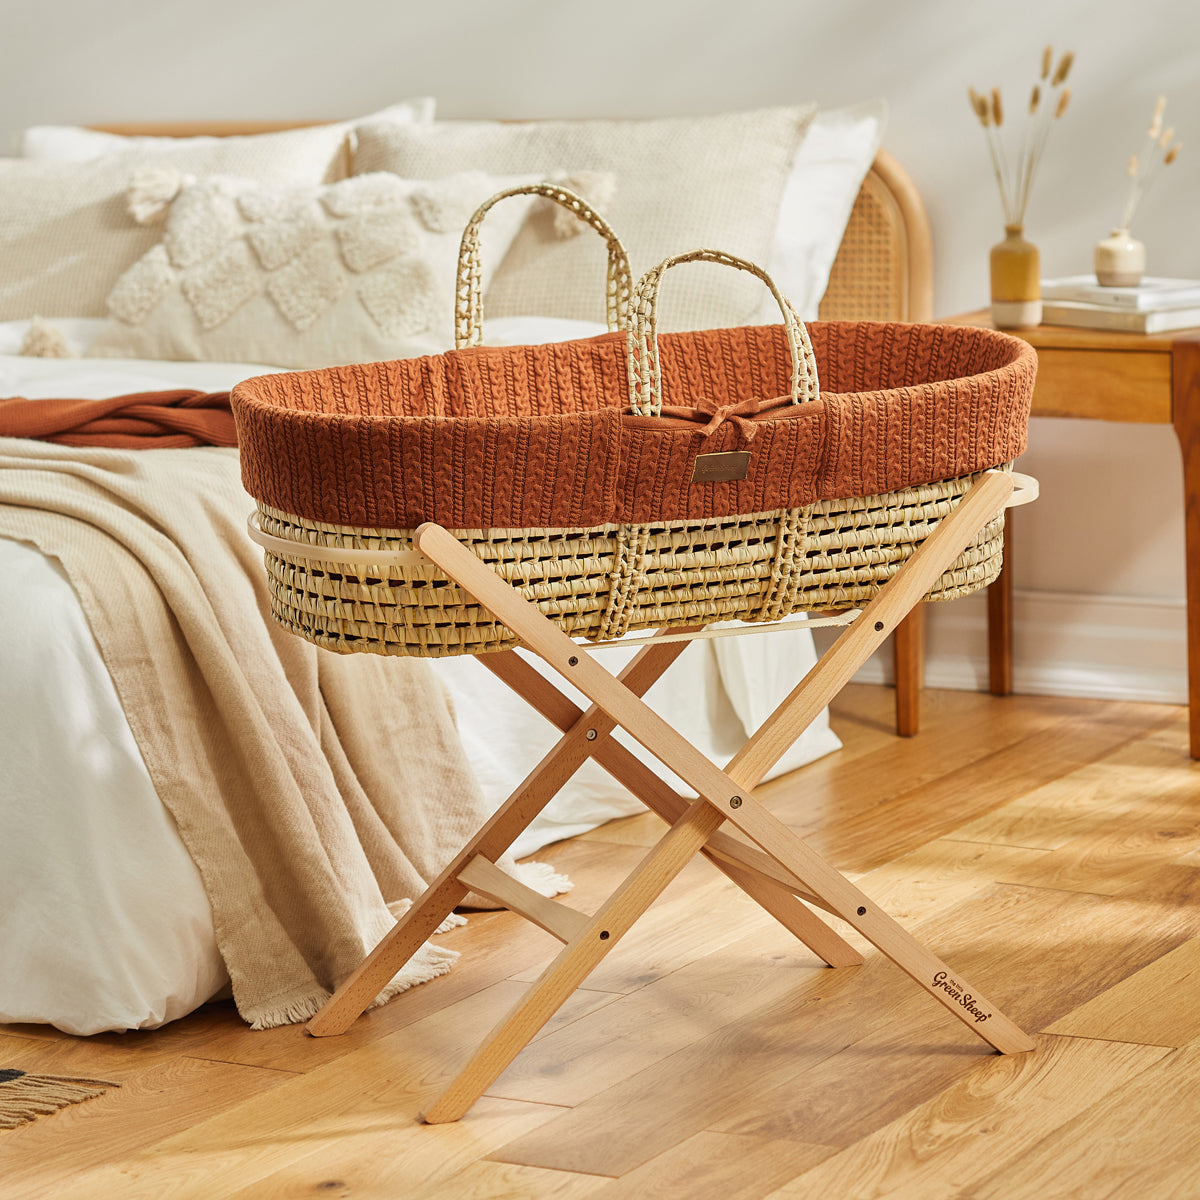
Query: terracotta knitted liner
[530,454]
[542,437]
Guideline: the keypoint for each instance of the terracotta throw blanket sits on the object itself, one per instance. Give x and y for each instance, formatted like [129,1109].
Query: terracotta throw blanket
[140,421]
[316,793]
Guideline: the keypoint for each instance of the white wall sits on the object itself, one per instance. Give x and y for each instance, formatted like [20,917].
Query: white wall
[1104,544]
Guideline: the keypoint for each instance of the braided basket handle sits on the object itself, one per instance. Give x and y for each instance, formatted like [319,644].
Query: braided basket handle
[468,292]
[645,374]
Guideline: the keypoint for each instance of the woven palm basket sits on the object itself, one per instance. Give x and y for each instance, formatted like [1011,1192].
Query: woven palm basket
[753,496]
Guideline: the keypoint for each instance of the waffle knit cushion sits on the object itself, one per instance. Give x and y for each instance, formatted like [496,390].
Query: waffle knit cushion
[679,183]
[542,437]
[67,235]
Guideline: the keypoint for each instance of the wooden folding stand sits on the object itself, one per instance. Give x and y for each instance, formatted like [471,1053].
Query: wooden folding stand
[774,866]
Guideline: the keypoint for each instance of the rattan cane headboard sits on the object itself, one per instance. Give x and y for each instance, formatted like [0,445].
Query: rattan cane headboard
[883,271]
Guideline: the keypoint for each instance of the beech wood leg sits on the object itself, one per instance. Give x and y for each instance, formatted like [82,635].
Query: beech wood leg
[801,922]
[922,966]
[999,622]
[728,792]
[576,960]
[357,993]
[908,670]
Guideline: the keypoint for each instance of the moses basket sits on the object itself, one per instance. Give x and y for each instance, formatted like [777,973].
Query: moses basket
[628,481]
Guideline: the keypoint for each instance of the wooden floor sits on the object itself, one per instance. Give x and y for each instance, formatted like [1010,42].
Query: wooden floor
[1048,848]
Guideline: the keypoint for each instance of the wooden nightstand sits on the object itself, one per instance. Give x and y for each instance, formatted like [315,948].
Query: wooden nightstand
[1116,377]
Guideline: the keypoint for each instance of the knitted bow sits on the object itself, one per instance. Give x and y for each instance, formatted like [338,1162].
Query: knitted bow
[738,413]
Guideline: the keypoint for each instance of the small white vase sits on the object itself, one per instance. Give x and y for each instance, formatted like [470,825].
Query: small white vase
[1120,260]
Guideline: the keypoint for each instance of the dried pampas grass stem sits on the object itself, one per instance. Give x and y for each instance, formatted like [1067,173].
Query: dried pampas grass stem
[1048,101]
[1160,150]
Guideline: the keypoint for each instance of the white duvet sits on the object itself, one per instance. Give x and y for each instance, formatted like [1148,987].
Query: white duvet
[104,923]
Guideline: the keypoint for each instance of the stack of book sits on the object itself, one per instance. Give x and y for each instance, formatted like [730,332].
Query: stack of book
[1154,306]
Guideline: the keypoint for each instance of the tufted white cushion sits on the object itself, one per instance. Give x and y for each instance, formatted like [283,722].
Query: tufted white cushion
[65,238]
[67,234]
[361,270]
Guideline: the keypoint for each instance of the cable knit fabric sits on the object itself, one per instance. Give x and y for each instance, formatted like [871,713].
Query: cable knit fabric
[138,421]
[542,436]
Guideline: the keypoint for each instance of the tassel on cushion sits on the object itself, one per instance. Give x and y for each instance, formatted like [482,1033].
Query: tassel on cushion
[598,188]
[151,190]
[45,341]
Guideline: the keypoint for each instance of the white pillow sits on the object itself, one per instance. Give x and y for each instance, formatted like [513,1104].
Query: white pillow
[362,270]
[533,331]
[74,143]
[829,168]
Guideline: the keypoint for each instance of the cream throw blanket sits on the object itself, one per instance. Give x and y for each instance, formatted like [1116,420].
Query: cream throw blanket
[317,793]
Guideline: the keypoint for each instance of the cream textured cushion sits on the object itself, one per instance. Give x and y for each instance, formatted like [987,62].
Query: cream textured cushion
[315,154]
[65,236]
[361,270]
[680,183]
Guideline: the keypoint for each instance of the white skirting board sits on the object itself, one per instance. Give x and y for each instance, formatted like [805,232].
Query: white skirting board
[1106,647]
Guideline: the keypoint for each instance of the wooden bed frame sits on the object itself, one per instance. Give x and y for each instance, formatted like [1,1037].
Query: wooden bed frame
[883,272]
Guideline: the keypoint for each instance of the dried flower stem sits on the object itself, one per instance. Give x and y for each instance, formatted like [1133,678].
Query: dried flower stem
[1047,103]
[1142,170]
[1034,158]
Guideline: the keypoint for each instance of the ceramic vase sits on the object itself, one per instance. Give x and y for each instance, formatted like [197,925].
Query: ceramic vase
[1016,281]
[1120,260]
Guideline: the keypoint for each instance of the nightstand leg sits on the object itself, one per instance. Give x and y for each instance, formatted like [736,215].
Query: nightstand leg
[999,619]
[1185,408]
[908,659]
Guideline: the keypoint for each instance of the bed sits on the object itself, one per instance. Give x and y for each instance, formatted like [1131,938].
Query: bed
[106,921]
